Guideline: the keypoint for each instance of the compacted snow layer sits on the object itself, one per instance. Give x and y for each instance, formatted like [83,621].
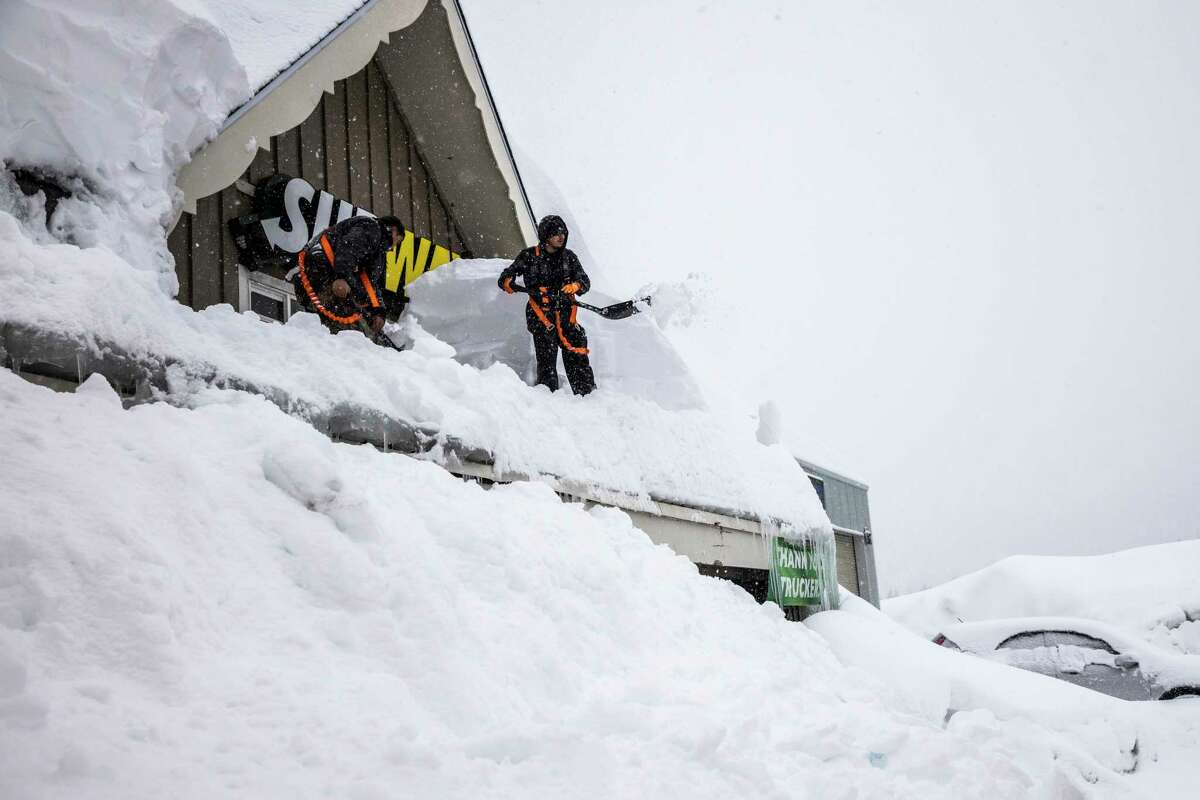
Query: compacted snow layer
[609,440]
[460,304]
[111,98]
[217,601]
[1149,591]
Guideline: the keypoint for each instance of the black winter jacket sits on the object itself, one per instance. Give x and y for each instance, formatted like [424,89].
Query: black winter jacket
[359,246]
[544,275]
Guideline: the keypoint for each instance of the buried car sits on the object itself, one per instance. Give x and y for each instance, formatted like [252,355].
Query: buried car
[1081,651]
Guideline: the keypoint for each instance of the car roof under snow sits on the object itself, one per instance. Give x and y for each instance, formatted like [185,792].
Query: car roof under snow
[988,634]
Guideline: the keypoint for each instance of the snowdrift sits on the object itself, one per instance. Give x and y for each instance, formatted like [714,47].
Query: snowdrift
[459,304]
[610,441]
[1149,591]
[206,597]
[216,600]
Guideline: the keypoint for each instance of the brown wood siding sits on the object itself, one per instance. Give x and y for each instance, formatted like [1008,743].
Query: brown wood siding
[401,175]
[312,146]
[180,245]
[357,139]
[420,184]
[337,162]
[356,145]
[206,252]
[233,204]
[377,131]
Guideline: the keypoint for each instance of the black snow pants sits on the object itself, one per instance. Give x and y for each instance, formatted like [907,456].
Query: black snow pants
[571,338]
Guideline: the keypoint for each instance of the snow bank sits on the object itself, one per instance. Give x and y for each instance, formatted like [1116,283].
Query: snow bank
[219,602]
[1151,591]
[112,98]
[1156,741]
[608,440]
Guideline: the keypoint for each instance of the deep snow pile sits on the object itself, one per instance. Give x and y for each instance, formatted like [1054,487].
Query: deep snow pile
[112,98]
[1150,591]
[610,441]
[218,601]
[460,305]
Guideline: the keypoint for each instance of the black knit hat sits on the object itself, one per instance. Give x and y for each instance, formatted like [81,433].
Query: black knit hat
[549,226]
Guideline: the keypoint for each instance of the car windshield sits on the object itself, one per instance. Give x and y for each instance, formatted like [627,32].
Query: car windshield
[1032,639]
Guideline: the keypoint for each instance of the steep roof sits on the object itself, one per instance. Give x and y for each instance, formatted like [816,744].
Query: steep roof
[425,51]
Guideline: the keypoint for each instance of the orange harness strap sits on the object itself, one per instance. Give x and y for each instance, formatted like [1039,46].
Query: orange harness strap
[312,295]
[366,282]
[539,313]
[583,351]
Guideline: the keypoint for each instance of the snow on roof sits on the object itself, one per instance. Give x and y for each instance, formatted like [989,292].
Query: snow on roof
[268,35]
[183,585]
[608,440]
[612,441]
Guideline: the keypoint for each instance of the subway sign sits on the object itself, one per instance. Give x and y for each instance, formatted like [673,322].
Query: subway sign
[289,212]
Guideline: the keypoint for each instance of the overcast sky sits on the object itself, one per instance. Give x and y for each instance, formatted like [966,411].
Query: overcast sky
[957,243]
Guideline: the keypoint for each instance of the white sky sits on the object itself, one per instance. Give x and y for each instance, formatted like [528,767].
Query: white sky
[957,243]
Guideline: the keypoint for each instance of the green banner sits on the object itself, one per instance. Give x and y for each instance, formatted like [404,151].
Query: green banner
[795,575]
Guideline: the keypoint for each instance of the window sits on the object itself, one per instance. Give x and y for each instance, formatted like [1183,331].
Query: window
[1032,639]
[268,305]
[819,486]
[1077,640]
[1024,641]
[270,298]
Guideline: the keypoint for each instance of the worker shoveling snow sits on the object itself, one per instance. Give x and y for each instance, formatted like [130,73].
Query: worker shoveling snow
[206,597]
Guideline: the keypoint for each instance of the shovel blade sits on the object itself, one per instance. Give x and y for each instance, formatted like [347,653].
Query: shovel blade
[619,310]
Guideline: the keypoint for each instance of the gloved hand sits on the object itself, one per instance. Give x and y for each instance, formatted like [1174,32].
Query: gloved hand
[508,286]
[377,323]
[571,288]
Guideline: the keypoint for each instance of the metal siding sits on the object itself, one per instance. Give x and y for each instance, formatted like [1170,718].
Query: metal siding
[835,502]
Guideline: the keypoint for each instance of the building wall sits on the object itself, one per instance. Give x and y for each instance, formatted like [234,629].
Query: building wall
[357,145]
[846,504]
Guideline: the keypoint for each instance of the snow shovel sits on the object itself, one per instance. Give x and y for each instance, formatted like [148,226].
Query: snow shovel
[381,338]
[620,310]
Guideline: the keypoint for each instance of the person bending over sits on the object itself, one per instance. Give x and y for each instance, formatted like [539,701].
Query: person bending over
[340,274]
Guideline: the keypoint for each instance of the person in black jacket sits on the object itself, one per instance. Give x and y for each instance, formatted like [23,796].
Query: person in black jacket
[340,274]
[552,275]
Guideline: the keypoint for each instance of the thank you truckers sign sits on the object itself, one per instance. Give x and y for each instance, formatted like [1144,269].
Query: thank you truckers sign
[795,577]
[289,211]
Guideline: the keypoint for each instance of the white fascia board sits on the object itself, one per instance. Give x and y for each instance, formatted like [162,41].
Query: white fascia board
[491,120]
[288,100]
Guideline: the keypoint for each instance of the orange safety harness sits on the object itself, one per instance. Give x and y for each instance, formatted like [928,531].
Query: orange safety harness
[312,295]
[557,324]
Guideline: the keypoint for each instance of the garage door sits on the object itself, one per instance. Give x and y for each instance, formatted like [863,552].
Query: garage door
[847,565]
